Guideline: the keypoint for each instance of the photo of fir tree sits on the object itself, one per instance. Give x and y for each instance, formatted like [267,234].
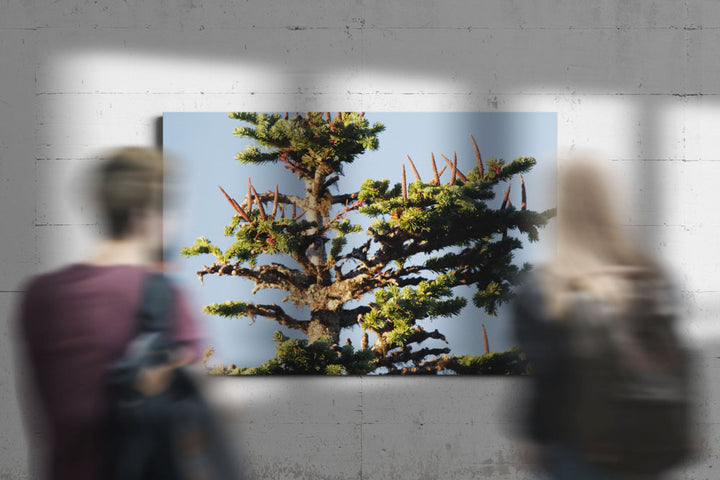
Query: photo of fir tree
[383,258]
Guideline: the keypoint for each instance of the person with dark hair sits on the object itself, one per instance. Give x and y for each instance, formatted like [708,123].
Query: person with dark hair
[75,322]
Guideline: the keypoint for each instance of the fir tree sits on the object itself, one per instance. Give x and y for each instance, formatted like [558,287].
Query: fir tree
[412,220]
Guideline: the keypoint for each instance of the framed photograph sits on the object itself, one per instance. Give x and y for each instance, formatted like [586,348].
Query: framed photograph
[359,242]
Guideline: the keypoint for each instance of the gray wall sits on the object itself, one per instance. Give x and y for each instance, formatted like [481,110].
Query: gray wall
[637,80]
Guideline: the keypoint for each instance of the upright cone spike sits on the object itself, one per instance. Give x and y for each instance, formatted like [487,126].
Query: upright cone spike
[294,210]
[240,210]
[477,156]
[364,341]
[248,198]
[454,172]
[227,197]
[485,338]
[415,172]
[282,211]
[327,116]
[457,170]
[235,205]
[404,183]
[286,115]
[523,206]
[259,204]
[275,202]
[506,200]
[450,164]
[434,167]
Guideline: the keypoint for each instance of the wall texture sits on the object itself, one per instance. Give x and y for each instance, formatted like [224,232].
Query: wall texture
[638,80]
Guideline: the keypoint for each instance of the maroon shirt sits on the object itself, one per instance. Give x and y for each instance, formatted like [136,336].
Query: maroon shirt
[75,322]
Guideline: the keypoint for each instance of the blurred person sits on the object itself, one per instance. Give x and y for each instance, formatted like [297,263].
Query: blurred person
[610,393]
[75,322]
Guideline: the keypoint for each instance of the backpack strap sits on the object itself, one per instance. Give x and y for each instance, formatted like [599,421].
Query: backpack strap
[156,303]
[151,344]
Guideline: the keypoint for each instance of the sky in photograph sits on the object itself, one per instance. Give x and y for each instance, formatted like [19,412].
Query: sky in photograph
[201,150]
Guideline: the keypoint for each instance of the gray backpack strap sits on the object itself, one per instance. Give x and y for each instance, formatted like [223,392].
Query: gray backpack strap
[156,304]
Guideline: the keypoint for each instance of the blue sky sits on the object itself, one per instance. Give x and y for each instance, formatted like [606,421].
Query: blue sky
[202,148]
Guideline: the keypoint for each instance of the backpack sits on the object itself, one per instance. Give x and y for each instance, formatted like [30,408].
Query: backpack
[169,436]
[631,413]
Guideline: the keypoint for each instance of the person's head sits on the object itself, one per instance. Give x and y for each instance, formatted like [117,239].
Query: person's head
[588,225]
[590,239]
[129,192]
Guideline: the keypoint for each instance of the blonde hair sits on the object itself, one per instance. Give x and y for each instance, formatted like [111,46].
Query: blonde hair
[129,181]
[593,254]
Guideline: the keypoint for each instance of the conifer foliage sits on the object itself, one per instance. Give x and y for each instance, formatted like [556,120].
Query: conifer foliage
[427,236]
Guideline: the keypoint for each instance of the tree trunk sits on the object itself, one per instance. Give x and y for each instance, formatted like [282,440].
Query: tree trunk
[314,212]
[324,323]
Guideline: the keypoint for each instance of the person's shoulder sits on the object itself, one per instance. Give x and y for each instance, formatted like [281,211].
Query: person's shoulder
[32,282]
[531,282]
[81,273]
[42,280]
[87,270]
[530,298]
[38,292]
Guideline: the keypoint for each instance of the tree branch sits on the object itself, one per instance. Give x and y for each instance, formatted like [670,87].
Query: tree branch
[269,196]
[420,335]
[341,214]
[274,312]
[348,318]
[405,354]
[345,197]
[429,367]
[273,275]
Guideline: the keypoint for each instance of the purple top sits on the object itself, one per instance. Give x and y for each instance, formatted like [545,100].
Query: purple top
[75,322]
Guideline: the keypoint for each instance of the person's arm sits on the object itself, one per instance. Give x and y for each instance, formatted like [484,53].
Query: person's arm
[29,333]
[185,331]
[33,409]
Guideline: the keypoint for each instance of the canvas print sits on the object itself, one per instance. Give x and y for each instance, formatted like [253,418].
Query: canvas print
[359,242]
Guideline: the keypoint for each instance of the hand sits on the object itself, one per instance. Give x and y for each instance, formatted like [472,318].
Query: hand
[154,380]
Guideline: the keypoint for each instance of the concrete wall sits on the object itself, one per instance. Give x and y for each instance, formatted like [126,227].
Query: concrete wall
[638,80]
